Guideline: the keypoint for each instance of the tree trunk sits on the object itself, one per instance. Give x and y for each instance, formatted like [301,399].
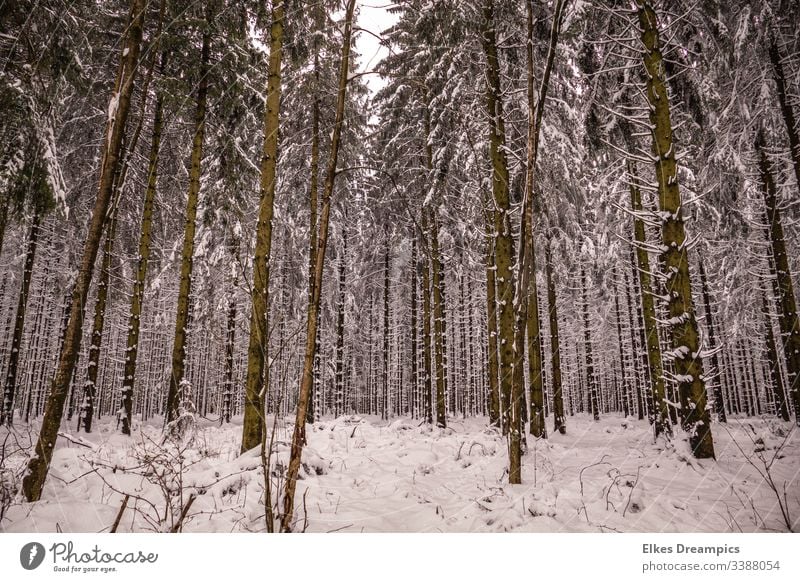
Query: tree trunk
[414,405]
[789,324]
[591,379]
[559,419]
[312,204]
[659,409]
[254,425]
[98,325]
[719,404]
[786,108]
[7,412]
[187,254]
[385,386]
[313,311]
[684,330]
[426,329]
[492,371]
[119,106]
[137,297]
[338,408]
[511,411]
[618,316]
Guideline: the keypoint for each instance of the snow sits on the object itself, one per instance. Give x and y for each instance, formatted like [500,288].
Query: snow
[364,474]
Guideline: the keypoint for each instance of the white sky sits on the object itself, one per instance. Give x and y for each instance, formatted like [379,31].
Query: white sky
[374,18]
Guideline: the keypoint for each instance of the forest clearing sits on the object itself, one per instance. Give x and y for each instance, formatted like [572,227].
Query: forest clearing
[495,265]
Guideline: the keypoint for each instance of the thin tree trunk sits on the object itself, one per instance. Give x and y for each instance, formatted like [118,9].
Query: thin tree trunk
[187,254]
[719,404]
[492,371]
[137,297]
[338,408]
[559,419]
[119,106]
[254,423]
[659,411]
[790,326]
[385,384]
[9,394]
[591,379]
[786,108]
[312,208]
[414,405]
[313,311]
[618,316]
[98,325]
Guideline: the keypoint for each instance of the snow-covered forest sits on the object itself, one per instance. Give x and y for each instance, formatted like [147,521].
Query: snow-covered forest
[532,270]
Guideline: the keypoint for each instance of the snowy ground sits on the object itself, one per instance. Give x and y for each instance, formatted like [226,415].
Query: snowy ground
[367,475]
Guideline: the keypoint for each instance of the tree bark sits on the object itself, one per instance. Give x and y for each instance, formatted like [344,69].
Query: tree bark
[659,409]
[313,311]
[511,407]
[684,330]
[559,419]
[119,106]
[145,237]
[591,379]
[787,112]
[254,422]
[98,325]
[187,253]
[789,323]
[719,403]
[7,412]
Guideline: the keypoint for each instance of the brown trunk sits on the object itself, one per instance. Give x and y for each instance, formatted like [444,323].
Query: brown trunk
[9,394]
[187,253]
[253,427]
[313,312]
[789,324]
[119,107]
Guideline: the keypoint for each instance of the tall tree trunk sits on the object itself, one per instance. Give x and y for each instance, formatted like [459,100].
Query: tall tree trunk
[414,405]
[98,325]
[145,237]
[637,345]
[437,284]
[5,204]
[719,403]
[591,378]
[230,345]
[427,337]
[618,316]
[254,422]
[526,298]
[119,106]
[511,412]
[684,331]
[187,253]
[491,331]
[312,205]
[385,384]
[313,311]
[9,393]
[338,408]
[559,419]
[787,112]
[659,409]
[789,323]
[771,349]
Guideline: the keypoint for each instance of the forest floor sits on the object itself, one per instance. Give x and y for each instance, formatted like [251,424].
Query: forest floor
[364,474]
